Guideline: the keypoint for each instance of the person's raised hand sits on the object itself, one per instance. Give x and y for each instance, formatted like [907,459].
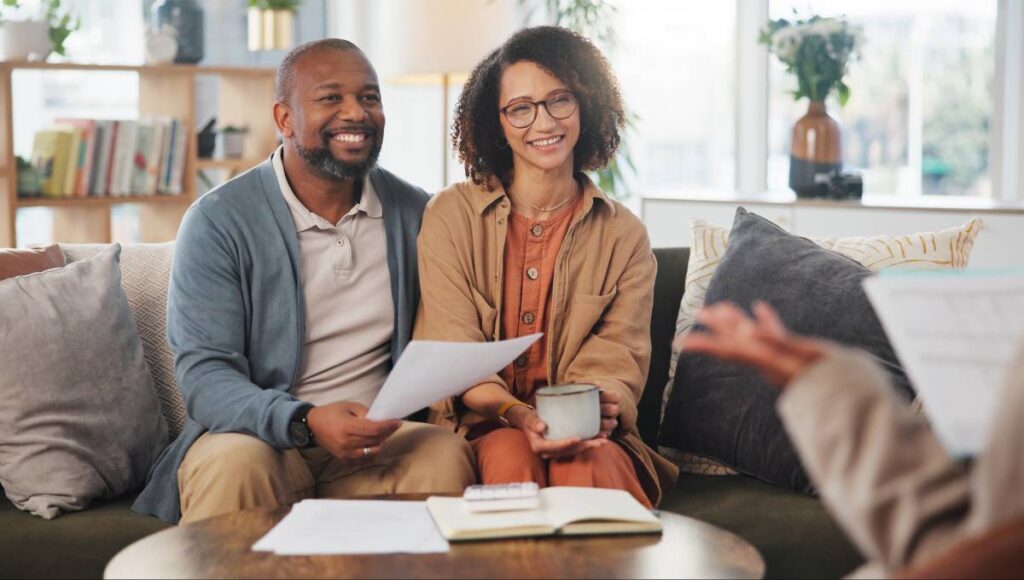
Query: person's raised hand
[529,422]
[761,342]
[344,431]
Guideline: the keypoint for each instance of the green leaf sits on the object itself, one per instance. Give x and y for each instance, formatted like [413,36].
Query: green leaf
[289,5]
[844,93]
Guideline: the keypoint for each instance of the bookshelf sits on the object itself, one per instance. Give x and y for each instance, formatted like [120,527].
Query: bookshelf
[245,97]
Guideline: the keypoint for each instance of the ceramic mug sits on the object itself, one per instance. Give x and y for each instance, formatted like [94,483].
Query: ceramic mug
[570,411]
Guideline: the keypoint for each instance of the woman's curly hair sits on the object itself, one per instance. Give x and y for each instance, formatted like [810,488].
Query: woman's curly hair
[477,134]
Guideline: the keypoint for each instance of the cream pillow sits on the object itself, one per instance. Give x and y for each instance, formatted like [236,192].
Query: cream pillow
[946,249]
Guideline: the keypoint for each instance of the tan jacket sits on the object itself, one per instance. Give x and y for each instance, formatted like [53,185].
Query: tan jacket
[884,475]
[600,309]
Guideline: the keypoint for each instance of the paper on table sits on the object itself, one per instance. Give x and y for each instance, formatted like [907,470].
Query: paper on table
[956,334]
[333,526]
[429,371]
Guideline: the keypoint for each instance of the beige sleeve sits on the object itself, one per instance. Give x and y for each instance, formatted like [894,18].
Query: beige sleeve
[879,468]
[615,355]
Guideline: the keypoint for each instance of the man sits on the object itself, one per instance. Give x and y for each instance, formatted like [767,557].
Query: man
[884,475]
[292,291]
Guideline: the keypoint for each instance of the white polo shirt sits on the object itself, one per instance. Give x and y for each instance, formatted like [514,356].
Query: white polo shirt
[346,286]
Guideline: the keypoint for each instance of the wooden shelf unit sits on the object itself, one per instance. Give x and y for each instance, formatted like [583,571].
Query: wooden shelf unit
[245,97]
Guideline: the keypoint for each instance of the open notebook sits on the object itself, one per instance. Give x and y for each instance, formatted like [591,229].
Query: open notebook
[563,511]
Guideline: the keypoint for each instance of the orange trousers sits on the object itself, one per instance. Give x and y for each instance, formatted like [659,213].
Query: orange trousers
[504,456]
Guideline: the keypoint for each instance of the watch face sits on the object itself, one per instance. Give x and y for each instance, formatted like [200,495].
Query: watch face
[299,433]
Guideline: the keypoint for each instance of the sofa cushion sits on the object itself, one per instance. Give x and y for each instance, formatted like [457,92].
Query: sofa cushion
[145,272]
[726,411]
[668,290]
[76,545]
[949,248]
[79,418]
[20,262]
[794,533]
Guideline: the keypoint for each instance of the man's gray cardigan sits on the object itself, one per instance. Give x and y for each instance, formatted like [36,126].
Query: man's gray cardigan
[235,313]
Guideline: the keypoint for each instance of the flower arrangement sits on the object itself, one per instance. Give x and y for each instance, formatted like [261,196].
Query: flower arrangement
[817,51]
[60,22]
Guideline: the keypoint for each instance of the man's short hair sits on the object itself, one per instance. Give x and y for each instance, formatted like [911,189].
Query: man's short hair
[285,80]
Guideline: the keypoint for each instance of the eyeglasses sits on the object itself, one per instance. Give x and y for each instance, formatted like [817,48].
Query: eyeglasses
[523,113]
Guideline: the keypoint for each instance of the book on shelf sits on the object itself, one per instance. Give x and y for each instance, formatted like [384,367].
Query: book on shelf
[83,148]
[51,149]
[89,157]
[124,157]
[566,511]
[106,133]
[176,158]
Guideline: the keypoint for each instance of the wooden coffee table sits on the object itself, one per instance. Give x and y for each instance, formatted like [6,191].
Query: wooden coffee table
[220,547]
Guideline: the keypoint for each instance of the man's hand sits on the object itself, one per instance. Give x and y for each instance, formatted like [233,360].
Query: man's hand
[529,422]
[762,342]
[344,431]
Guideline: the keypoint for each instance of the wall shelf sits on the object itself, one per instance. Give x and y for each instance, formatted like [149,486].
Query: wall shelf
[245,97]
[231,164]
[99,201]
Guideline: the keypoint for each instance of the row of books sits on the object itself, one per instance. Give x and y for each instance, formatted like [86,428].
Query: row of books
[88,157]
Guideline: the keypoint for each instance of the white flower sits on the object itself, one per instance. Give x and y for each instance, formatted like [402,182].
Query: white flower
[786,41]
[826,27]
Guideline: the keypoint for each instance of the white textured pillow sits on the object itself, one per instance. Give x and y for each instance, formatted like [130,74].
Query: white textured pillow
[945,249]
[145,274]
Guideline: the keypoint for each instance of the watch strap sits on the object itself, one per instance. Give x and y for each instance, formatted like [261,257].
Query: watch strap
[301,417]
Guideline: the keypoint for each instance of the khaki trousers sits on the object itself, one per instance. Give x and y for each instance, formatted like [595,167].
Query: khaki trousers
[228,472]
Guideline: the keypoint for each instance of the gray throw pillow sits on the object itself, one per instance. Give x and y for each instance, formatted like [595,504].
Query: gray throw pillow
[726,411]
[79,418]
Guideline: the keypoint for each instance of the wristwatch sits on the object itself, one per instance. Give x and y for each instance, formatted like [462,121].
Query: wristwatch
[299,429]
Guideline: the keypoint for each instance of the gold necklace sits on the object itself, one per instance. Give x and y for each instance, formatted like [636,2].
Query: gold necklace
[557,205]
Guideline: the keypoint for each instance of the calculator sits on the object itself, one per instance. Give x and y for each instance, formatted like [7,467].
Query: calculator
[500,497]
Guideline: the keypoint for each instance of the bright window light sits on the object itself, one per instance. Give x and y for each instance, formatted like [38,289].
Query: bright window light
[918,121]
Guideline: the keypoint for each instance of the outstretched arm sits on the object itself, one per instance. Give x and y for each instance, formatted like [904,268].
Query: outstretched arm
[877,465]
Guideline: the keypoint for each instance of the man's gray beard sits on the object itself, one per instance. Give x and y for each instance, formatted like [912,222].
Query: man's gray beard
[321,160]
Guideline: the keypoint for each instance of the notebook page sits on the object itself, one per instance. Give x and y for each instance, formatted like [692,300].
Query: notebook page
[565,505]
[955,334]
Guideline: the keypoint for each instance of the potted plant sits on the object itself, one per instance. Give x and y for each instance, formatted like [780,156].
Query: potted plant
[233,141]
[816,50]
[28,178]
[271,23]
[36,38]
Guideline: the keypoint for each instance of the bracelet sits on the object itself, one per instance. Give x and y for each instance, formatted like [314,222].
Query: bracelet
[506,407]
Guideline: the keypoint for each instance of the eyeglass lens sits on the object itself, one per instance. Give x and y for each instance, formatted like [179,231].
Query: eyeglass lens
[560,106]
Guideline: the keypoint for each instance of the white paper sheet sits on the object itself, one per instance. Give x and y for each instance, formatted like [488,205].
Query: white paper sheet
[955,334]
[335,526]
[429,371]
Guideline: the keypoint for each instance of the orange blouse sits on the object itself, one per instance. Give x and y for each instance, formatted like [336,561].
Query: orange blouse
[531,248]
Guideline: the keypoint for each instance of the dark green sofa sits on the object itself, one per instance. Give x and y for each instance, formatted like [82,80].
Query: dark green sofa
[793,532]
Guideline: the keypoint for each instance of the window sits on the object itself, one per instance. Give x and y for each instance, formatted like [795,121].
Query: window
[675,64]
[922,104]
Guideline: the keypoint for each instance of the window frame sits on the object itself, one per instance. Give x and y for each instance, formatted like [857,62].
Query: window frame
[348,19]
[1006,147]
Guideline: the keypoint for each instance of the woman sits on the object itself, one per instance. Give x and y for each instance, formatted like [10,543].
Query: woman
[528,245]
